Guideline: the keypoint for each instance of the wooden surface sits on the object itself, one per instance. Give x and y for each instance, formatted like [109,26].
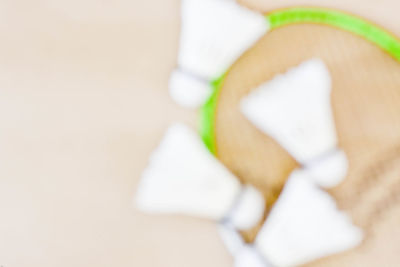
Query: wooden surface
[83,101]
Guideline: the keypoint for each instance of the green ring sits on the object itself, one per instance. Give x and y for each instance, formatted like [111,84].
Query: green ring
[279,18]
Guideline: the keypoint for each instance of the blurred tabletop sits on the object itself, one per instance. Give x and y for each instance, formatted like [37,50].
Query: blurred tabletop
[83,102]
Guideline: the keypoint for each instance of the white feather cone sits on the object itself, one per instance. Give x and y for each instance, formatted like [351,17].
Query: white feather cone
[183,177]
[294,108]
[214,34]
[304,225]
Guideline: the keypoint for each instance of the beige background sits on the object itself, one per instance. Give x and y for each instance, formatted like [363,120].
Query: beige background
[83,101]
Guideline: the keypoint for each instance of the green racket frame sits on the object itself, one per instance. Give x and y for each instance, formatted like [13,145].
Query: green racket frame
[279,18]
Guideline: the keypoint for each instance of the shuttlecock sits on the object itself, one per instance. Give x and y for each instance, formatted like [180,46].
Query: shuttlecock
[295,109]
[214,34]
[304,225]
[184,177]
[249,209]
[188,90]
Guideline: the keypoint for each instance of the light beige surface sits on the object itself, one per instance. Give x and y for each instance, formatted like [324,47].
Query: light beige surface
[83,101]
